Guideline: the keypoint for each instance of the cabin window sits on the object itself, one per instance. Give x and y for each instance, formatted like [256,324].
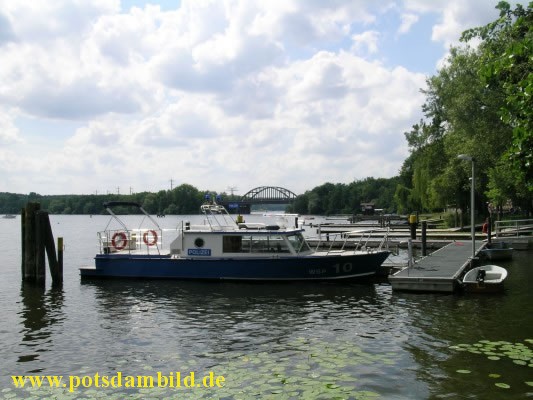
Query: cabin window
[298,243]
[232,244]
[255,244]
[269,244]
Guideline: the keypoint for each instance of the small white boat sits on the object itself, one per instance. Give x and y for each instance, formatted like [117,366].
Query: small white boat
[487,278]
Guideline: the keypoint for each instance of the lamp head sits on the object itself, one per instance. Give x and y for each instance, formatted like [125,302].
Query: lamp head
[465,157]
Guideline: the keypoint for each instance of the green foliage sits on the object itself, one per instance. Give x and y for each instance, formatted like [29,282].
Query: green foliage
[402,198]
[505,59]
[478,104]
[184,199]
[329,198]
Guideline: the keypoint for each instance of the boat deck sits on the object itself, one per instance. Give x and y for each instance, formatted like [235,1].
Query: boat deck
[438,272]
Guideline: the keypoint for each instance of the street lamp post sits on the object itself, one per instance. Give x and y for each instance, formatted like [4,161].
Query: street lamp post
[466,157]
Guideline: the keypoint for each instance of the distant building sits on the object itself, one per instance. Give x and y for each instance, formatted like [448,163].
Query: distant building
[367,208]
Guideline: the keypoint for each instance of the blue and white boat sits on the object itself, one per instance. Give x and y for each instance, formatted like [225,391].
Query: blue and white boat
[223,248]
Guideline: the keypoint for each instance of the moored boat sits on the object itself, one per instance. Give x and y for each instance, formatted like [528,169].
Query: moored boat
[497,251]
[487,278]
[223,248]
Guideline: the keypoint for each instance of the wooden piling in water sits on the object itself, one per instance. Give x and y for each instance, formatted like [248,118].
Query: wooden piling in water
[56,270]
[30,254]
[37,238]
[57,275]
[23,241]
[40,263]
[424,238]
[489,230]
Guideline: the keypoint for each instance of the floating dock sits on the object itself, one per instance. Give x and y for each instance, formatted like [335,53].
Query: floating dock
[438,272]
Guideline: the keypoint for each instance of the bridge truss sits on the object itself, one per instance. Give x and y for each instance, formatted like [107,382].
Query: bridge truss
[268,195]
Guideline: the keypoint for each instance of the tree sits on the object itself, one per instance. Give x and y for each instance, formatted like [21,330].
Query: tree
[151,204]
[506,56]
[462,116]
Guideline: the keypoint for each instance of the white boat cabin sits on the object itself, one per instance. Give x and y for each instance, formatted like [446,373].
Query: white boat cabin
[242,242]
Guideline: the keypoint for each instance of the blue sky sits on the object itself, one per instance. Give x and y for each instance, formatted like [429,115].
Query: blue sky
[102,94]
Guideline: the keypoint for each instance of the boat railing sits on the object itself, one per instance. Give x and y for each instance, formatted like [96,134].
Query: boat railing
[368,234]
[142,241]
[217,217]
[518,227]
[360,242]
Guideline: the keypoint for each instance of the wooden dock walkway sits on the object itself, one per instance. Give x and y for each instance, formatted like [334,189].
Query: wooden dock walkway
[438,272]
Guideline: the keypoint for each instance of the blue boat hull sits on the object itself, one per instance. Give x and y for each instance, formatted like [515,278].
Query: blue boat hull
[329,267]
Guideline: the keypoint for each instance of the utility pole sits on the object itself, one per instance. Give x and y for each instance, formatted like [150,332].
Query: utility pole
[131,190]
[118,189]
[232,189]
[171,184]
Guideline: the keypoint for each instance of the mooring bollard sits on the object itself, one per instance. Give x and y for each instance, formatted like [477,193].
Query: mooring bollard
[29,255]
[424,247]
[59,272]
[23,241]
[489,230]
[37,239]
[40,235]
[412,225]
[410,262]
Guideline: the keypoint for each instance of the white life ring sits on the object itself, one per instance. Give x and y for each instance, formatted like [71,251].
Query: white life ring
[154,237]
[122,240]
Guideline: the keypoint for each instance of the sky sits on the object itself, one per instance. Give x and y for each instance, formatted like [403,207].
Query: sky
[125,96]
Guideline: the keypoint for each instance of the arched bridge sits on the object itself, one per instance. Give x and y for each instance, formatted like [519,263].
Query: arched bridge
[268,195]
[259,195]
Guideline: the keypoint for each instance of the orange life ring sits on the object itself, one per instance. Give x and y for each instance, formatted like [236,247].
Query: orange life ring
[123,240]
[154,238]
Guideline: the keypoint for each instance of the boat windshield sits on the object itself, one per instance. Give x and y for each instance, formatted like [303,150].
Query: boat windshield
[254,244]
[298,242]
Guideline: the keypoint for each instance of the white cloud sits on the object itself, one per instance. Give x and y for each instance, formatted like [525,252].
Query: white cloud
[408,20]
[212,93]
[366,41]
[52,20]
[455,16]
[9,133]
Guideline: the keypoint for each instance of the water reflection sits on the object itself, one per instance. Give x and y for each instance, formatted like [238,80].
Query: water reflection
[440,321]
[187,320]
[42,312]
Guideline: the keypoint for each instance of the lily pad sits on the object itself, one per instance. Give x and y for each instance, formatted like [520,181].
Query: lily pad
[503,385]
[463,371]
[332,386]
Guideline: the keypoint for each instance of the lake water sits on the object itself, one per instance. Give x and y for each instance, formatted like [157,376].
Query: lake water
[279,341]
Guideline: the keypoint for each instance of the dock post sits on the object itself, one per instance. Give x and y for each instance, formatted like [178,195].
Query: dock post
[410,253]
[489,230]
[40,237]
[37,239]
[49,245]
[29,247]
[412,225]
[23,241]
[424,239]
[59,275]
